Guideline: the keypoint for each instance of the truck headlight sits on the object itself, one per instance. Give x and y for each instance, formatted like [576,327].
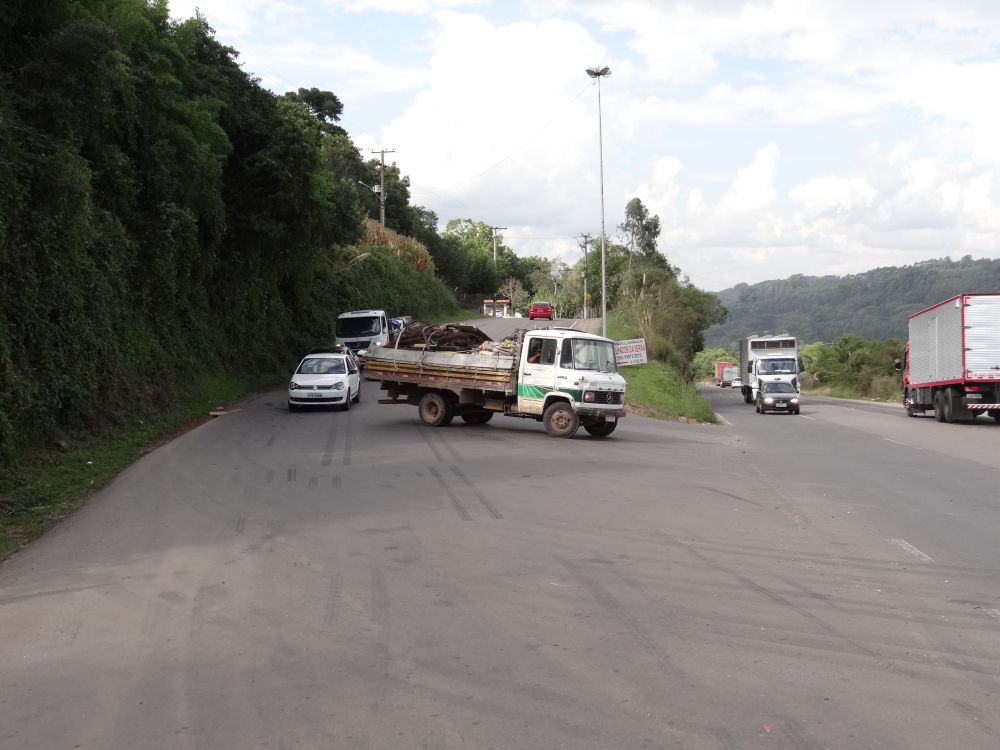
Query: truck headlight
[588,396]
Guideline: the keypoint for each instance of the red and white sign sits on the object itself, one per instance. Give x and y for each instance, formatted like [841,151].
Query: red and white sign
[630,352]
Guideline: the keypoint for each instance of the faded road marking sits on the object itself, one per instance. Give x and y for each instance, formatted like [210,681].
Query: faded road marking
[994,613]
[907,547]
[806,416]
[890,440]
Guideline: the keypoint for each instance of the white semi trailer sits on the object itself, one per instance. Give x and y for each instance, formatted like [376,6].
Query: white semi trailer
[952,360]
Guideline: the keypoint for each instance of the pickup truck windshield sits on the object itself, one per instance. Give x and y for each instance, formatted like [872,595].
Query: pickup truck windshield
[587,354]
[776,366]
[348,327]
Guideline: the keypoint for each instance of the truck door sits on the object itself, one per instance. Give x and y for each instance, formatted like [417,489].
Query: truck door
[537,374]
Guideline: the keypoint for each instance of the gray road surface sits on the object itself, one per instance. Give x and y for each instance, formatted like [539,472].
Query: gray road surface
[355,580]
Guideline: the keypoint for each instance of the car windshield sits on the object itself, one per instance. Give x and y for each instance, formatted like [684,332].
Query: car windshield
[779,388]
[588,354]
[322,366]
[775,366]
[366,326]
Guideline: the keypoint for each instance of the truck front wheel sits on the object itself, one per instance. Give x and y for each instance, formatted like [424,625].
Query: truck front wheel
[560,420]
[436,409]
[938,406]
[600,429]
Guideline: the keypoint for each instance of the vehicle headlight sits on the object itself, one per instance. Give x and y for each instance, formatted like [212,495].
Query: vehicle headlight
[588,396]
[794,400]
[339,385]
[769,400]
[293,386]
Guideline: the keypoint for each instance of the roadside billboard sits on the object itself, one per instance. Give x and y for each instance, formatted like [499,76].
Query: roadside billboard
[630,352]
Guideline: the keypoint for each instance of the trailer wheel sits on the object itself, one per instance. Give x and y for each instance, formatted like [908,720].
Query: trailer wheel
[560,420]
[600,429]
[477,417]
[435,409]
[949,406]
[938,407]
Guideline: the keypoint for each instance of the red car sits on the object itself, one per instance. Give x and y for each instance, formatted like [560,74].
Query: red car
[540,310]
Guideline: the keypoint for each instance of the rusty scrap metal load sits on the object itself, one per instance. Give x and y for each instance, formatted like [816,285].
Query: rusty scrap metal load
[454,337]
[447,355]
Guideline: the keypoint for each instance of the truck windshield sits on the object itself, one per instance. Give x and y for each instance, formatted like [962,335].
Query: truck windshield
[587,354]
[776,366]
[348,327]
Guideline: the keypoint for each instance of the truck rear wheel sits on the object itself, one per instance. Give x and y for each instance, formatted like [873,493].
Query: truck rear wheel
[938,406]
[477,417]
[600,429]
[560,420]
[436,409]
[949,406]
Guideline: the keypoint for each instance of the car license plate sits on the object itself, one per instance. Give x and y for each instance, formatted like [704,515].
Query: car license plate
[781,403]
[314,394]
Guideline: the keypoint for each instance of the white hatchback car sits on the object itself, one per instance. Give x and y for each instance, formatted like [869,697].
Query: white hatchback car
[324,379]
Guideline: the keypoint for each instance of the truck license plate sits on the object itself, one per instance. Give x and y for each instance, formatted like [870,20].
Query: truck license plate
[973,395]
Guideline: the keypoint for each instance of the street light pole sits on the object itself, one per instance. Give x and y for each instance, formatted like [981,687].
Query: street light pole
[600,73]
[586,241]
[495,243]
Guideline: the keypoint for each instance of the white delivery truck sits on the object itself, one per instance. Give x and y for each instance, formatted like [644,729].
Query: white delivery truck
[360,330]
[951,363]
[767,359]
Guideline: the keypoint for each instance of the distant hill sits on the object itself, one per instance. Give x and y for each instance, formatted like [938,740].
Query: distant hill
[873,305]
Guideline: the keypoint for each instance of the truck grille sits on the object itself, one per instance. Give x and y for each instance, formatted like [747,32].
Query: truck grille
[607,397]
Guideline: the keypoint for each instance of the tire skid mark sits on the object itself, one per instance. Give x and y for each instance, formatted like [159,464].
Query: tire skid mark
[312,482]
[608,602]
[347,443]
[241,523]
[380,619]
[459,508]
[291,475]
[728,494]
[491,509]
[333,601]
[269,476]
[335,483]
[423,433]
[977,715]
[331,444]
[824,627]
[783,725]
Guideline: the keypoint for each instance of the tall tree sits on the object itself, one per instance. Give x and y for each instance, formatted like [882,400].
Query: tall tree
[642,231]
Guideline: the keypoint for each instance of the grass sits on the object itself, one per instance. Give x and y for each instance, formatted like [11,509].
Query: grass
[38,491]
[881,388]
[657,390]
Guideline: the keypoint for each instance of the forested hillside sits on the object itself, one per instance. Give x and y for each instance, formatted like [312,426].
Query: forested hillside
[872,305]
[163,216]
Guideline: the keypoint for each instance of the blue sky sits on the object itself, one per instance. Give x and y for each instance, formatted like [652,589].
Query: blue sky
[770,137]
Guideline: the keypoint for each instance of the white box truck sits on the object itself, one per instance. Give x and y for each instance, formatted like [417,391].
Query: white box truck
[767,359]
[360,330]
[951,363]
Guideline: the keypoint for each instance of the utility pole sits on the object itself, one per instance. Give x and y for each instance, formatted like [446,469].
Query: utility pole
[586,241]
[381,182]
[495,243]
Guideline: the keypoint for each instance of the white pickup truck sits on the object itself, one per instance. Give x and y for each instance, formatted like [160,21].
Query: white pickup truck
[561,377]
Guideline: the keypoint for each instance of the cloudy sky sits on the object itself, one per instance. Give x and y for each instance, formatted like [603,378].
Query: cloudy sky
[771,137]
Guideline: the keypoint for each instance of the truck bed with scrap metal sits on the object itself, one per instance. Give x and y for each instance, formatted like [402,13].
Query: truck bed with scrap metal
[494,371]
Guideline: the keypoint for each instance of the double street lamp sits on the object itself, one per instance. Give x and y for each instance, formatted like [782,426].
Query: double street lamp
[600,73]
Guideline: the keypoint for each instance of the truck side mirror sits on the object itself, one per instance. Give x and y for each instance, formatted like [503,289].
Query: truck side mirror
[899,365]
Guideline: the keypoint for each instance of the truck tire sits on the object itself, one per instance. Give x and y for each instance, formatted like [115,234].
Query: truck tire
[477,417]
[938,406]
[436,409]
[560,420]
[747,399]
[949,405]
[910,411]
[600,429]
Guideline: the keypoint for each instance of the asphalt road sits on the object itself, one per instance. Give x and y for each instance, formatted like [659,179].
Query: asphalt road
[356,580]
